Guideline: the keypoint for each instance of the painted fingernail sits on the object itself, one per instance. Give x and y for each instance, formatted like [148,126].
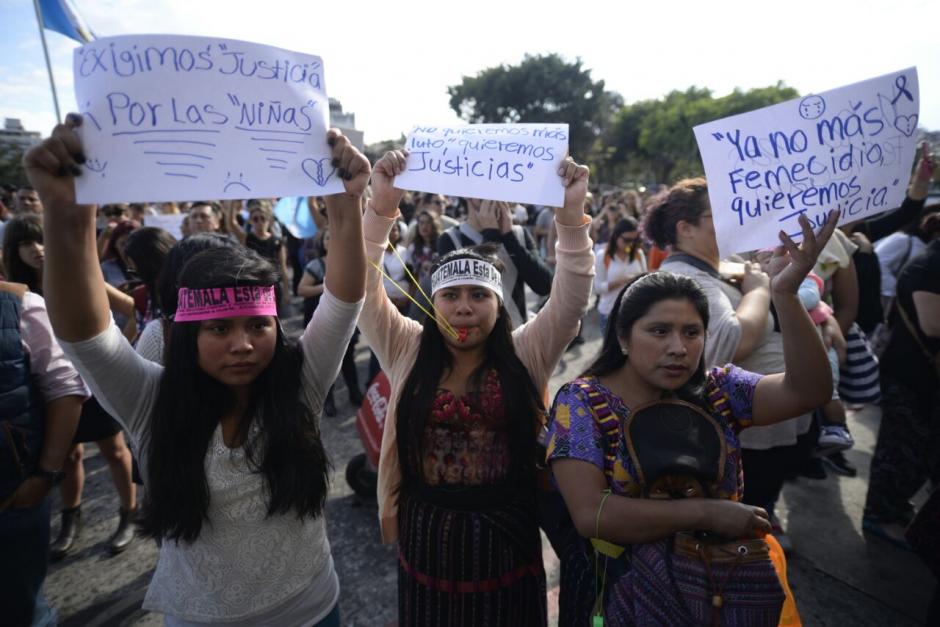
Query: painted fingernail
[80,158]
[61,171]
[75,170]
[341,173]
[331,141]
[347,176]
[335,163]
[74,119]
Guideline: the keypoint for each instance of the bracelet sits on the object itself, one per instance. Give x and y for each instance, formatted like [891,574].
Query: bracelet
[600,508]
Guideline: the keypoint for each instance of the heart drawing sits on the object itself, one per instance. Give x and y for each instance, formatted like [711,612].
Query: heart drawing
[317,166]
[907,124]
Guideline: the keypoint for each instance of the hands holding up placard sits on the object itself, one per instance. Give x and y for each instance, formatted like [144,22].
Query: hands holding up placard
[574,178]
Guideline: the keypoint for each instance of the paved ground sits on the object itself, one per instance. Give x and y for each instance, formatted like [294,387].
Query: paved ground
[839,576]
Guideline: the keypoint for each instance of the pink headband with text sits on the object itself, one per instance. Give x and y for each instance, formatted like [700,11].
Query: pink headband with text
[225,302]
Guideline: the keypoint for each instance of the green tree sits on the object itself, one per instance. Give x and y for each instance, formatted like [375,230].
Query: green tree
[653,139]
[543,88]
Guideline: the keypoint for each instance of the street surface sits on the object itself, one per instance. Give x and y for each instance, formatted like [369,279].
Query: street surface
[838,575]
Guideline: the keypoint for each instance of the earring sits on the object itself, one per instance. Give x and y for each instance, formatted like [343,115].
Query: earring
[623,349]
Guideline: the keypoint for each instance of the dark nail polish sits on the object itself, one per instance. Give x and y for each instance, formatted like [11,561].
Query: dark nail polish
[341,173]
[335,163]
[61,171]
[80,158]
[75,170]
[347,176]
[331,142]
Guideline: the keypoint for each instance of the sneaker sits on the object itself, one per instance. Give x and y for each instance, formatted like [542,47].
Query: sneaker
[776,530]
[837,463]
[892,533]
[835,438]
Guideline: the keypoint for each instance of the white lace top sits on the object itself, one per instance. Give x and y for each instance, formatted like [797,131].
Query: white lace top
[243,564]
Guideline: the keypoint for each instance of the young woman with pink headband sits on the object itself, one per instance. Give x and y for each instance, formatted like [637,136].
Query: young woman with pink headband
[235,470]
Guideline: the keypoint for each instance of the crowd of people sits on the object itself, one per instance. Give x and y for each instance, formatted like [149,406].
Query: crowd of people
[663,462]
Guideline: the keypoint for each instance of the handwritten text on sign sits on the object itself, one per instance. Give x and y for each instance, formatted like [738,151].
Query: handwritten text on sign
[169,117]
[511,162]
[850,149]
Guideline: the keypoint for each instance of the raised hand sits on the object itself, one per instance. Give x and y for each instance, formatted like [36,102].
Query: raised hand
[351,165]
[53,165]
[385,196]
[575,181]
[791,263]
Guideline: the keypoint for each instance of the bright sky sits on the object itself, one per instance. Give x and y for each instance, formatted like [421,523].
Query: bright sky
[390,63]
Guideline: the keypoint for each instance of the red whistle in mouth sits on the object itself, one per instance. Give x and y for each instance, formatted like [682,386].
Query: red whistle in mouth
[462,334]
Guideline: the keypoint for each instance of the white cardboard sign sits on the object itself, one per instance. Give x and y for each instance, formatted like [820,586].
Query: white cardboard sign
[849,149]
[170,222]
[171,117]
[510,162]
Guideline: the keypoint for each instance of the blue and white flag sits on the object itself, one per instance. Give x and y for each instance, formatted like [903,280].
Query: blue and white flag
[61,16]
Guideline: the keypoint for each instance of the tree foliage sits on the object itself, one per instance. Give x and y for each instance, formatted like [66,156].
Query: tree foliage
[542,88]
[652,140]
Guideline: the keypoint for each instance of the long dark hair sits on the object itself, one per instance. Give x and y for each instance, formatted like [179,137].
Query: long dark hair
[148,248]
[633,302]
[23,229]
[110,251]
[288,453]
[522,401]
[168,283]
[625,225]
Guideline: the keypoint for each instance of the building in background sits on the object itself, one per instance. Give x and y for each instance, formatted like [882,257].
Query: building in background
[13,137]
[345,122]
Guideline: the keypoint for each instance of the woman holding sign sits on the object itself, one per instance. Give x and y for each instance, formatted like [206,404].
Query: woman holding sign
[227,431]
[457,470]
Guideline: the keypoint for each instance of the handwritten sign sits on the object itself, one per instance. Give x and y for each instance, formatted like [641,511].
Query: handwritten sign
[171,222]
[511,162]
[170,117]
[849,149]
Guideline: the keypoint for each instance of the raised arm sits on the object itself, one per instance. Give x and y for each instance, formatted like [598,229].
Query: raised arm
[345,275]
[806,382]
[541,342]
[74,286]
[385,328]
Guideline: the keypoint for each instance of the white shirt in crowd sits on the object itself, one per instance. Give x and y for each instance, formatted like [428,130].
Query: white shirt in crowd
[245,568]
[894,251]
[611,272]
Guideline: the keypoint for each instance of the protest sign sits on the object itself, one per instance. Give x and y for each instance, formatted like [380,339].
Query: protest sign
[170,222]
[169,117]
[849,149]
[511,162]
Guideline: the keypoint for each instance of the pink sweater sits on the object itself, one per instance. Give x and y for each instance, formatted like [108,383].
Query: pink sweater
[395,338]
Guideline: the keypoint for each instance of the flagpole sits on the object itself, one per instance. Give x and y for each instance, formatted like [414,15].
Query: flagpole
[45,50]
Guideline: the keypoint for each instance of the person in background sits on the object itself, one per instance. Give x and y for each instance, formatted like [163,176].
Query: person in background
[311,289]
[41,396]
[908,448]
[261,240]
[23,251]
[145,253]
[619,264]
[740,330]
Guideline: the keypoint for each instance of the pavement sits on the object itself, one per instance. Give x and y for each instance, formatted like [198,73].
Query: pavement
[838,575]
